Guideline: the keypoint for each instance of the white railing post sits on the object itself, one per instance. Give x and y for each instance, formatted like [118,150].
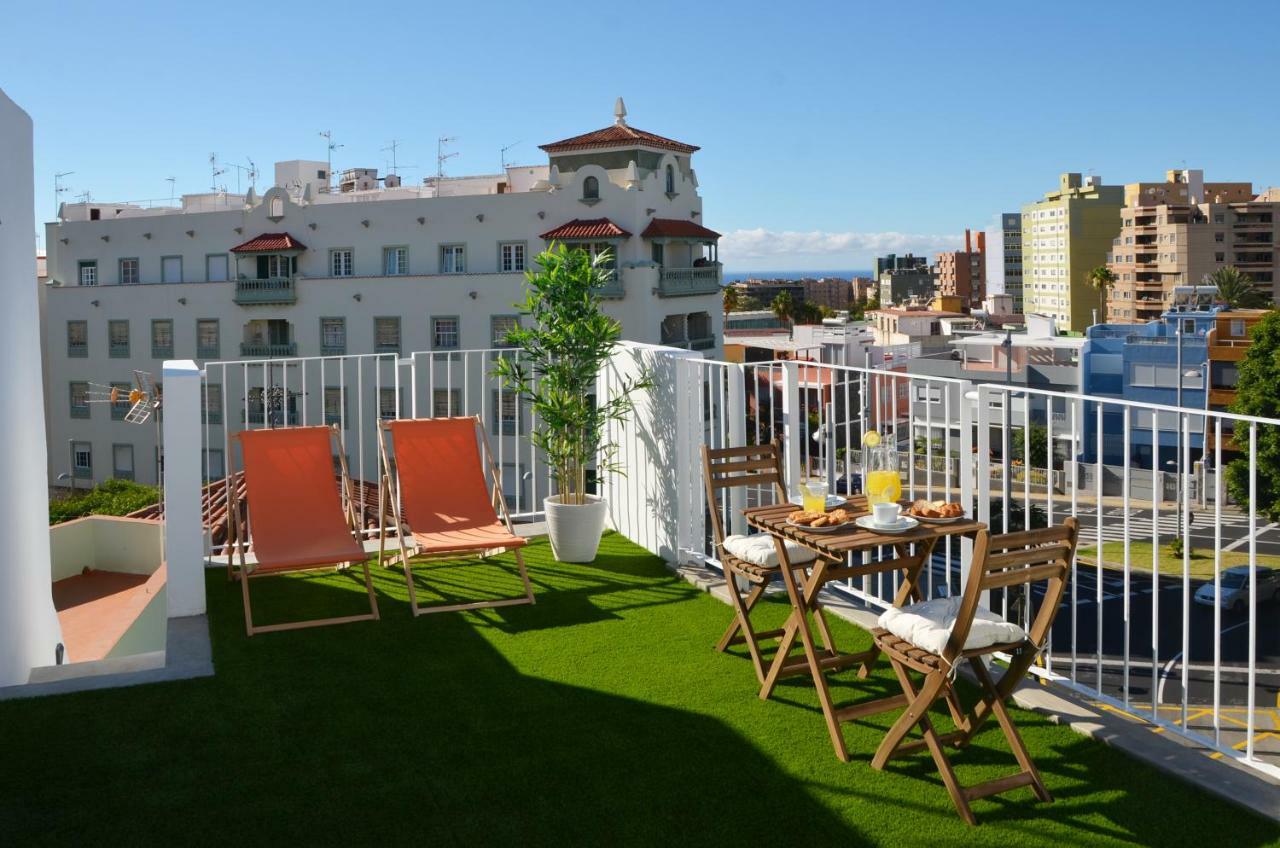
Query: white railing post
[736,410]
[791,422]
[183,525]
[968,468]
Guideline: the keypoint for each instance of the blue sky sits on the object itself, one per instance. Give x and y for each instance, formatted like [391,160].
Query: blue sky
[830,131]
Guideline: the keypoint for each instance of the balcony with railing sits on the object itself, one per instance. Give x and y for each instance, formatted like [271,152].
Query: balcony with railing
[681,282]
[272,290]
[260,350]
[1134,648]
[1094,450]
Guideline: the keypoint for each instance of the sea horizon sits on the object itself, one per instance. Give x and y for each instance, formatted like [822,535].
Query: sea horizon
[738,276]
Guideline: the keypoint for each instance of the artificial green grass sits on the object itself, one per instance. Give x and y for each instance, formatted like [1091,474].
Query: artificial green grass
[599,716]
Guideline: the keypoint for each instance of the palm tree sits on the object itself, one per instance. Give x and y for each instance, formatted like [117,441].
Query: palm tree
[1235,288]
[784,308]
[732,301]
[1102,278]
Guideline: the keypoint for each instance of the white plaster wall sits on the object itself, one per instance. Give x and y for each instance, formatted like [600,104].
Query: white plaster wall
[29,631]
[480,222]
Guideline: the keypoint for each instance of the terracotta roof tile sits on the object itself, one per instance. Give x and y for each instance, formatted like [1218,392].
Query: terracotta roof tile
[586,228]
[269,242]
[615,136]
[675,228]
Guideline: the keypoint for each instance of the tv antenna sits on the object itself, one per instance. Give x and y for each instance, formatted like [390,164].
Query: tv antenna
[441,156]
[251,172]
[504,153]
[143,400]
[214,171]
[59,189]
[393,146]
[84,197]
[172,181]
[327,135]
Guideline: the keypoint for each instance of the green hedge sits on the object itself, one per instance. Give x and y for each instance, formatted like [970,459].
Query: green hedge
[114,497]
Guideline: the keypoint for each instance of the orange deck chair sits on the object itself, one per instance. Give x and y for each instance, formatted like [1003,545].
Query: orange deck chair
[439,481]
[300,518]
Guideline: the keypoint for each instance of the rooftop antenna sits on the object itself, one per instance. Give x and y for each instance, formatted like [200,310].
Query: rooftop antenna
[84,197]
[327,135]
[215,171]
[251,172]
[143,401]
[59,188]
[441,156]
[504,153]
[392,147]
[172,181]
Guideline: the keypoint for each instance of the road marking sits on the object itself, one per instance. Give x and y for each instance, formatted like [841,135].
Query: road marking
[1164,672]
[1238,542]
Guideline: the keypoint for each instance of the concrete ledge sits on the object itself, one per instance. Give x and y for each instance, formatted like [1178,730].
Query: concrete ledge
[1171,754]
[187,655]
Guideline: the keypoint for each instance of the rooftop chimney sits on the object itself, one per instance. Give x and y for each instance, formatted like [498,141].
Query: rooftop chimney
[968,248]
[982,241]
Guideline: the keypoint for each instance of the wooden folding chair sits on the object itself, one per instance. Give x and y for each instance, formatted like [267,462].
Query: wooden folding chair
[999,562]
[299,517]
[752,466]
[450,499]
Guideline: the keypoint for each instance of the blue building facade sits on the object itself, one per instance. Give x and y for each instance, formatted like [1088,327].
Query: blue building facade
[1141,362]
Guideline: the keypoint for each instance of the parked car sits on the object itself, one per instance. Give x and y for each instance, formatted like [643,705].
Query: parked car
[1235,588]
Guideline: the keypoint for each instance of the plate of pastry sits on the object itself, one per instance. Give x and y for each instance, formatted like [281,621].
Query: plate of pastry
[935,512]
[819,522]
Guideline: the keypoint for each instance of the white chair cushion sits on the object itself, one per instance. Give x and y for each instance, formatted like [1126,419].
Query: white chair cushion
[758,549]
[928,624]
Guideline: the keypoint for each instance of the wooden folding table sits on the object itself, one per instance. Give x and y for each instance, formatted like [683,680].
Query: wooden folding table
[834,562]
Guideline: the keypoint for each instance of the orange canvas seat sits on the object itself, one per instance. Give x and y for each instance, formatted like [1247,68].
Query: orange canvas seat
[299,517]
[450,498]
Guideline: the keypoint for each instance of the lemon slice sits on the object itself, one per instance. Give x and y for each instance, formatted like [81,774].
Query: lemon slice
[871,439]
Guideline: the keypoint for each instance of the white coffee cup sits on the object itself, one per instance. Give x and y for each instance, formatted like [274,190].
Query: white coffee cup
[886,514]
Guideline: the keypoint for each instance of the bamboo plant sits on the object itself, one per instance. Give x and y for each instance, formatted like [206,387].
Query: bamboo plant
[563,341]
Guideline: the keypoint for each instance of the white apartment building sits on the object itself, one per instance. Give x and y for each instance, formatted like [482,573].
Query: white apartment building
[367,266]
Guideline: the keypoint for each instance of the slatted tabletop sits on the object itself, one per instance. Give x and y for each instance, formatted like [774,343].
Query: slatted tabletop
[851,537]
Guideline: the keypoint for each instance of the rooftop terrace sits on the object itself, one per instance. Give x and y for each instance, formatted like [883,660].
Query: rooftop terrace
[600,715]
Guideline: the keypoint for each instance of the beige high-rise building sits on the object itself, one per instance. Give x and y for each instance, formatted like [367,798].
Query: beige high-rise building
[1175,232]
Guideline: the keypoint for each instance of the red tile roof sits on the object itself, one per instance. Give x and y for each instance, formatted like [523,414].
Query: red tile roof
[616,136]
[675,228]
[269,242]
[580,228]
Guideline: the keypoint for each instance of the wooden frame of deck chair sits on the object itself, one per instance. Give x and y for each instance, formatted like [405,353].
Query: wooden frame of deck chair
[730,468]
[999,562]
[300,517]
[446,498]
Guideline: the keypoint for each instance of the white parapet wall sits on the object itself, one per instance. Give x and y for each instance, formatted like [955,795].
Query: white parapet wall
[29,631]
[657,501]
[183,483]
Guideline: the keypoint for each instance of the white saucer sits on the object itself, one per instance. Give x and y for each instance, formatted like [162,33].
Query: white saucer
[904,523]
[833,501]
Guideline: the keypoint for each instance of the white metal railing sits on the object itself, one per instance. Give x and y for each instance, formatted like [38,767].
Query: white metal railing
[1130,634]
[355,393]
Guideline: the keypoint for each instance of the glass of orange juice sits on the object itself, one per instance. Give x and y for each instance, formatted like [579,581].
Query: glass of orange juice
[813,494]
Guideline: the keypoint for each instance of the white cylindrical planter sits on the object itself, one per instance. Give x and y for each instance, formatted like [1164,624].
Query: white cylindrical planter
[575,529]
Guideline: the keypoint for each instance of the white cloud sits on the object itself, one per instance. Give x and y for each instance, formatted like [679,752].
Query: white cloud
[760,243]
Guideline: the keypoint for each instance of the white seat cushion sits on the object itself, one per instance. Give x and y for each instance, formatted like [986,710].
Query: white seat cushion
[758,549]
[928,624]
